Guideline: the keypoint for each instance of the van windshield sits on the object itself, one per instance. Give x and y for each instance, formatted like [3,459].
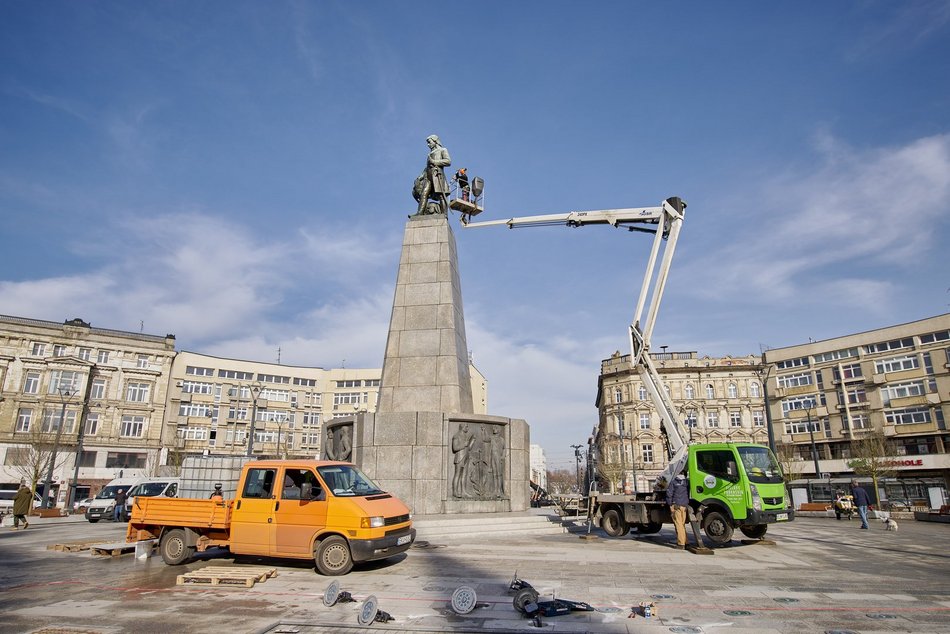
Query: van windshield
[108,493]
[346,481]
[148,489]
[760,465]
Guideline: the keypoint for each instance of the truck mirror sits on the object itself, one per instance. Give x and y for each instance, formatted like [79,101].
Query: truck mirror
[731,471]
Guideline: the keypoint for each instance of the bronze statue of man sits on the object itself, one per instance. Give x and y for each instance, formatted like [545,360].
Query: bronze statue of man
[431,182]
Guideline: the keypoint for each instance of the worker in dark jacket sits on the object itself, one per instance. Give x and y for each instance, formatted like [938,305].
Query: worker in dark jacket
[861,500]
[677,497]
[22,505]
[119,509]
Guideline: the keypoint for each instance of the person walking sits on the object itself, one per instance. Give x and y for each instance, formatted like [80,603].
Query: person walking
[22,505]
[119,505]
[677,497]
[861,500]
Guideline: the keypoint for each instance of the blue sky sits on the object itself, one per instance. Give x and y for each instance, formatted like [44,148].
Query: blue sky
[239,174]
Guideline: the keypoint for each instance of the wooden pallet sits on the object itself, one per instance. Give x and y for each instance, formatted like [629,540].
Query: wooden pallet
[112,550]
[71,547]
[227,575]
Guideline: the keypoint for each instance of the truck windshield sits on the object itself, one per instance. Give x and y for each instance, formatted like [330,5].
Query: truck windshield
[760,465]
[346,481]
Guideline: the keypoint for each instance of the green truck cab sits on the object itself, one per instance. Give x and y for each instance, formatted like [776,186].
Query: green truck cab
[736,485]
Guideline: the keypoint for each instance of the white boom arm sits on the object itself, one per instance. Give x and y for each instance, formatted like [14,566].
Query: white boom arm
[667,219]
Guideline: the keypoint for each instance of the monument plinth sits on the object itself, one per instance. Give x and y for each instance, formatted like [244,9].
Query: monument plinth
[425,444]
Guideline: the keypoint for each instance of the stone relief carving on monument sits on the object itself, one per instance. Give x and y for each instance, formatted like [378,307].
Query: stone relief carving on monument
[431,185]
[478,461]
[339,442]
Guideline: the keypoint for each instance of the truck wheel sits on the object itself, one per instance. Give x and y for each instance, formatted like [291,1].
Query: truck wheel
[650,528]
[717,528]
[333,556]
[754,532]
[173,547]
[613,524]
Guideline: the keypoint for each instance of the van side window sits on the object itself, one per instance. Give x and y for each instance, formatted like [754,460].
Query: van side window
[294,479]
[714,462]
[259,483]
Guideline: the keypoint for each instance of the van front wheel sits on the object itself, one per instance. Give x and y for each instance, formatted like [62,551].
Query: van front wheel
[333,556]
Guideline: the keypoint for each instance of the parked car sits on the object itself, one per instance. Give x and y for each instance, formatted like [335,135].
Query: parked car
[80,506]
[6,500]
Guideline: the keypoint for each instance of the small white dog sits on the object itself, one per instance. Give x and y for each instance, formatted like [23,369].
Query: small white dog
[889,524]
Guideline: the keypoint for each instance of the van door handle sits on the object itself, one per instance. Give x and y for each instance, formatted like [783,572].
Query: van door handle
[277,506]
[239,504]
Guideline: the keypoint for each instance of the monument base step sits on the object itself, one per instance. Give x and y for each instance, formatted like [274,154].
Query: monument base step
[486,525]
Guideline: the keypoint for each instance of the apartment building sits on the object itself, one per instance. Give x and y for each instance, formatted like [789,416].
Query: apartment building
[79,391]
[718,399]
[539,466]
[894,380]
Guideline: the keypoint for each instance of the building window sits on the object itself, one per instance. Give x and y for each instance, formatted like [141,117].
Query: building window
[305,382]
[133,426]
[735,419]
[23,419]
[142,361]
[710,391]
[204,410]
[371,383]
[196,371]
[689,391]
[618,395]
[98,390]
[943,335]
[275,416]
[282,396]
[52,419]
[17,456]
[234,374]
[733,391]
[796,427]
[851,371]
[907,415]
[646,451]
[273,378]
[196,387]
[349,383]
[836,355]
[712,419]
[125,460]
[619,420]
[38,349]
[102,356]
[897,364]
[798,403]
[92,424]
[644,420]
[348,398]
[88,458]
[885,346]
[795,380]
[858,421]
[193,433]
[641,393]
[857,395]
[136,392]
[67,379]
[59,350]
[792,363]
[754,389]
[691,420]
[311,419]
[902,390]
[31,385]
[85,353]
[237,413]
[758,418]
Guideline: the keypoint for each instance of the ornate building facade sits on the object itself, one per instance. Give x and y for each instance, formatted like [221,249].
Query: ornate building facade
[718,400]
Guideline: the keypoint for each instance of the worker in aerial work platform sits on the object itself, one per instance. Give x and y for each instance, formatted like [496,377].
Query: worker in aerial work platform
[461,177]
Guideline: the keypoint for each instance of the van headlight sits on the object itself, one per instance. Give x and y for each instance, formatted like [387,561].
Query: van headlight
[756,498]
[371,522]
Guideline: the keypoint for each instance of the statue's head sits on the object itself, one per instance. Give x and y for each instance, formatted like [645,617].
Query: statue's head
[432,140]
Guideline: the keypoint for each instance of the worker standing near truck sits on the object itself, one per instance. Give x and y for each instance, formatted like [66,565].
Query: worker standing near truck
[677,498]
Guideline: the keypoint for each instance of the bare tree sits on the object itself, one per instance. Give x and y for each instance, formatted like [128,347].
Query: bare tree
[32,458]
[561,481]
[611,467]
[869,458]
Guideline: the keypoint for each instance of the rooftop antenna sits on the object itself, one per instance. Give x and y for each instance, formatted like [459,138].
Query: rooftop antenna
[141,326]
[278,355]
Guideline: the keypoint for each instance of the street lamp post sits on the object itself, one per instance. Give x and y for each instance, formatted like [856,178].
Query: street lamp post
[255,393]
[65,393]
[577,456]
[764,376]
[811,432]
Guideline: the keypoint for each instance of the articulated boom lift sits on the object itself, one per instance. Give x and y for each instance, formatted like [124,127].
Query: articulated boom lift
[664,222]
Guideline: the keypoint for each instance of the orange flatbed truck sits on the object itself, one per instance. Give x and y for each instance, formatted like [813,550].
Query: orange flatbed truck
[301,509]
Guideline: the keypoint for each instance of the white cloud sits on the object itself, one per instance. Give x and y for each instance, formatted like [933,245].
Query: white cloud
[856,210]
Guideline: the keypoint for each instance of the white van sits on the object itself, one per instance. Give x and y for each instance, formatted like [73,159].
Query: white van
[151,488]
[103,505]
[8,492]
